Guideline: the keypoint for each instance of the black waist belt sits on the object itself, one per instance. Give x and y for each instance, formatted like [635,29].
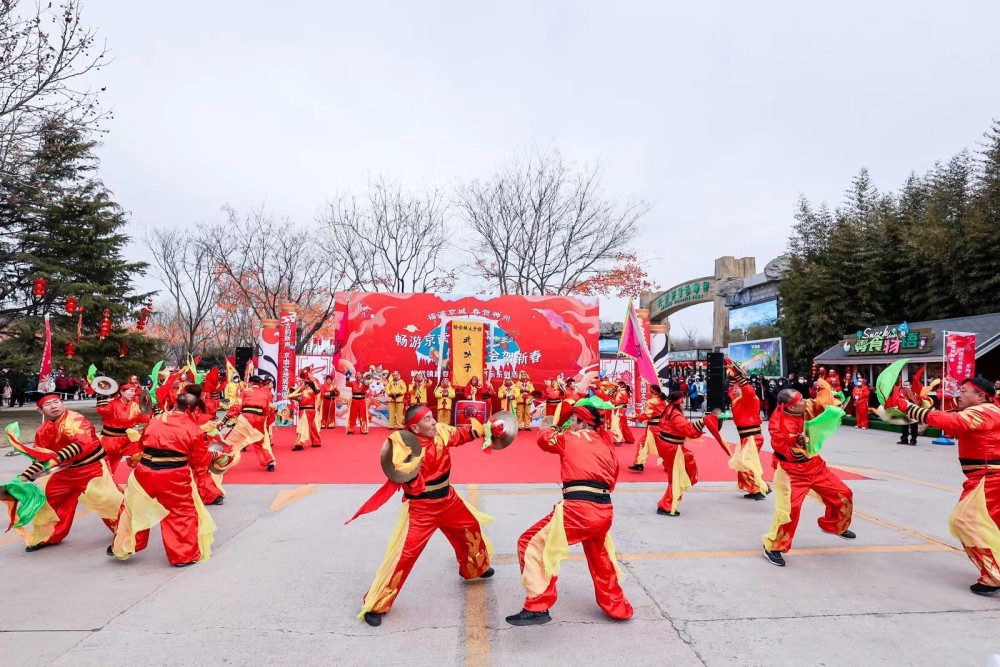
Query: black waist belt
[303,408]
[358,397]
[92,457]
[589,490]
[653,422]
[433,490]
[671,439]
[553,401]
[162,459]
[747,431]
[785,459]
[112,432]
[252,411]
[975,465]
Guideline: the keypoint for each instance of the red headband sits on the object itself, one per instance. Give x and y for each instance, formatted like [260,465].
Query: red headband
[128,385]
[418,415]
[45,399]
[583,414]
[796,397]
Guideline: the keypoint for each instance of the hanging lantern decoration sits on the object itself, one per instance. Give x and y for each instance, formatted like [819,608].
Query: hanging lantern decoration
[71,305]
[122,350]
[105,329]
[144,314]
[39,288]
[69,349]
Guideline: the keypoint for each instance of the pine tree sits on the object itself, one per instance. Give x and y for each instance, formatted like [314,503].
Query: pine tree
[62,225]
[979,291]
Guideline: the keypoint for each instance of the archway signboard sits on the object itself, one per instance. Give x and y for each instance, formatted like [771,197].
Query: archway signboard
[690,293]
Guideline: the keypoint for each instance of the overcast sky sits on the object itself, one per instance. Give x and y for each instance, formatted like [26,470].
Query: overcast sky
[719,114]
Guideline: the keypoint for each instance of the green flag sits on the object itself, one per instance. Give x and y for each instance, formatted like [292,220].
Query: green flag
[822,427]
[888,378]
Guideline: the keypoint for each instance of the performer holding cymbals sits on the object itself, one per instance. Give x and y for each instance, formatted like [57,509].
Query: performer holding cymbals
[417,460]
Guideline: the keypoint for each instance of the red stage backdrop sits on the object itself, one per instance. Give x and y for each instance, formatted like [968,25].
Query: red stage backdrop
[544,336]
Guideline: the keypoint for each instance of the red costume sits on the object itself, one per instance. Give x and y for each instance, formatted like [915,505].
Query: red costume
[975,521]
[655,407]
[329,392]
[860,397]
[82,475]
[589,473]
[677,459]
[209,489]
[359,406]
[553,398]
[307,430]
[117,416]
[162,489]
[745,458]
[429,504]
[619,422]
[796,475]
[253,409]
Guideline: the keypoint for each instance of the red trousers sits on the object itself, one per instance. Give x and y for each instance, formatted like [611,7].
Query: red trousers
[792,483]
[449,515]
[259,422]
[118,449]
[682,473]
[584,522]
[179,529]
[314,439]
[861,413]
[979,532]
[329,417]
[358,415]
[62,493]
[207,488]
[550,408]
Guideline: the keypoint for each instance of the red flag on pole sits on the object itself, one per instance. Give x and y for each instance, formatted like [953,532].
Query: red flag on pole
[46,368]
[341,330]
[633,344]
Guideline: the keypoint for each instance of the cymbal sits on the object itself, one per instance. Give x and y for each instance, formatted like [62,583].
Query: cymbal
[385,457]
[509,429]
[104,385]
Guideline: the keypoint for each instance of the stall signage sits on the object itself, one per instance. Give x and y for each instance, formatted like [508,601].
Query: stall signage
[885,340]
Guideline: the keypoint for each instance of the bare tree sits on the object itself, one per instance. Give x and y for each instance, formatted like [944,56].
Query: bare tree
[691,338]
[263,262]
[184,265]
[45,53]
[542,226]
[391,240]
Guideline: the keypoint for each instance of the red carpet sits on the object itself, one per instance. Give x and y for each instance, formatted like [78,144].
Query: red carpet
[353,459]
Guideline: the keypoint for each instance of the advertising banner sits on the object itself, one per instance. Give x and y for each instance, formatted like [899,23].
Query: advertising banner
[467,342]
[267,352]
[286,352]
[759,357]
[543,335]
[959,362]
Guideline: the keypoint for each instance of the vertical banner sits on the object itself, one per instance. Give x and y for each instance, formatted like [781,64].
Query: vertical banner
[267,352]
[640,389]
[959,363]
[467,358]
[45,370]
[286,349]
[658,348]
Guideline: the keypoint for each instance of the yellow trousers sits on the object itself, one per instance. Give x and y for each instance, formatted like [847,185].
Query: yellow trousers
[396,415]
[523,416]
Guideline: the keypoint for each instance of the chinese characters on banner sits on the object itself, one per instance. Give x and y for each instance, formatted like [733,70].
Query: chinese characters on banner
[268,352]
[286,350]
[467,359]
[889,340]
[959,362]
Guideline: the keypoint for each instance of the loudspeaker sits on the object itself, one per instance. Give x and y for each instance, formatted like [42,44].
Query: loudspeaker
[716,382]
[243,356]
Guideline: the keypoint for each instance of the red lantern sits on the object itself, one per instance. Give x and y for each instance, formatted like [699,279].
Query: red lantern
[105,328]
[140,323]
[122,349]
[69,349]
[39,288]
[71,305]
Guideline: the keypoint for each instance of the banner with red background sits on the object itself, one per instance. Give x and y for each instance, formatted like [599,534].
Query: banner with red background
[959,363]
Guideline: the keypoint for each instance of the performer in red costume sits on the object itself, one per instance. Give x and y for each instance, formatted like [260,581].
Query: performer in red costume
[162,490]
[589,472]
[860,397]
[329,393]
[118,414]
[553,396]
[677,459]
[834,380]
[81,474]
[656,405]
[796,474]
[745,458]
[619,421]
[254,407]
[975,521]
[429,504]
[358,414]
[208,489]
[307,396]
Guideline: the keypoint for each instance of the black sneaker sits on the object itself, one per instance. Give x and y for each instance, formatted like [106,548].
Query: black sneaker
[637,468]
[270,466]
[298,448]
[37,547]
[184,564]
[373,618]
[983,589]
[660,510]
[218,501]
[754,496]
[488,573]
[902,442]
[110,550]
[846,535]
[525,617]
[774,558]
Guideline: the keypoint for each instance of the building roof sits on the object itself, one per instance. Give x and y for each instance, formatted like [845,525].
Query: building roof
[986,327]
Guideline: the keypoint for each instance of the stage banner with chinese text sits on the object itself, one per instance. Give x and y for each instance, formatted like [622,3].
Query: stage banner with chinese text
[467,359]
[543,335]
[959,362]
[286,349]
